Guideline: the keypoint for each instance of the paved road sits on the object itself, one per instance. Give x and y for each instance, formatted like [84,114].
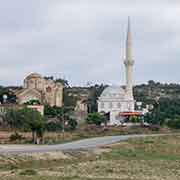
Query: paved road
[76,145]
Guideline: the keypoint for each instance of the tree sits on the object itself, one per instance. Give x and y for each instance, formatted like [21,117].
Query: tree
[71,124]
[154,116]
[134,119]
[64,82]
[27,120]
[67,122]
[95,118]
[164,109]
[69,100]
[151,83]
[52,111]
[33,121]
[95,92]
[13,119]
[61,118]
[49,78]
[11,97]
[175,123]
[33,102]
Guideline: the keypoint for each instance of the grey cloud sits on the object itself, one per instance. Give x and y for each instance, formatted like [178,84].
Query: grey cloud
[84,39]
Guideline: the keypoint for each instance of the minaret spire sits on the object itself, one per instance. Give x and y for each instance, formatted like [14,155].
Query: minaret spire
[129,62]
[129,42]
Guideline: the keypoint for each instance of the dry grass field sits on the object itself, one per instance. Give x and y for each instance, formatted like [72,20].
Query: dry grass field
[155,158]
[81,133]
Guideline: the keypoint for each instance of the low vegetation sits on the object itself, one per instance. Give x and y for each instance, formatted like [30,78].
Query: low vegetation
[28,172]
[96,118]
[25,120]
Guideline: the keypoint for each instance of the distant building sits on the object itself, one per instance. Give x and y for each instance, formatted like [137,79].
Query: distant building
[77,99]
[117,100]
[81,110]
[81,106]
[37,88]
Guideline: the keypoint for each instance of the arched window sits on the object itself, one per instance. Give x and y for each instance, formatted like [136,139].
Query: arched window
[111,105]
[128,107]
[48,89]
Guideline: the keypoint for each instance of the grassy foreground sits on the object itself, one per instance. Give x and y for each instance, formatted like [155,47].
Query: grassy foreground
[152,158]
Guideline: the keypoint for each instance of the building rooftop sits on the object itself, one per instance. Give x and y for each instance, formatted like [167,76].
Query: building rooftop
[114,91]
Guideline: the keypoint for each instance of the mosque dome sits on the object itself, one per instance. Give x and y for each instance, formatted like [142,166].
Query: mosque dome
[114,92]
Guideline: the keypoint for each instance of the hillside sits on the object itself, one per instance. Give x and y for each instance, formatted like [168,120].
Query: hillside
[147,93]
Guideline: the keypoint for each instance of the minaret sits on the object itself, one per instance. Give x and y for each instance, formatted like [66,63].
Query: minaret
[129,62]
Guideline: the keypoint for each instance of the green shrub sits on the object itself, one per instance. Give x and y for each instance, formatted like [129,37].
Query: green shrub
[53,126]
[33,102]
[15,136]
[72,124]
[134,119]
[148,141]
[96,118]
[175,123]
[155,127]
[28,172]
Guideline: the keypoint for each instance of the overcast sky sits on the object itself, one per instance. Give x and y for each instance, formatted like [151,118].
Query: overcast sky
[84,40]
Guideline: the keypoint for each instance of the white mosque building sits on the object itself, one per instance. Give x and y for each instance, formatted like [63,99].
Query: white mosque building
[118,100]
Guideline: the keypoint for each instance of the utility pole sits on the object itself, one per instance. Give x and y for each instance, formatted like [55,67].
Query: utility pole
[63,124]
[158,109]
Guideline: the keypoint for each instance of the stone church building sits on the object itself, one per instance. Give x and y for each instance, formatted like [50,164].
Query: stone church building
[38,88]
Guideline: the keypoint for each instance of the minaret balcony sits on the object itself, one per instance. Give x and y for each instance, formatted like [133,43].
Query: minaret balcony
[129,62]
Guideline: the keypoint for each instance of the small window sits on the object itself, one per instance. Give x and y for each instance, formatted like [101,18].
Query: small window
[110,105]
[48,89]
[129,107]
[102,105]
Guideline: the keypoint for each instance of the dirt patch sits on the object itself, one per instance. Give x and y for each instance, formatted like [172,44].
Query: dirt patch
[49,156]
